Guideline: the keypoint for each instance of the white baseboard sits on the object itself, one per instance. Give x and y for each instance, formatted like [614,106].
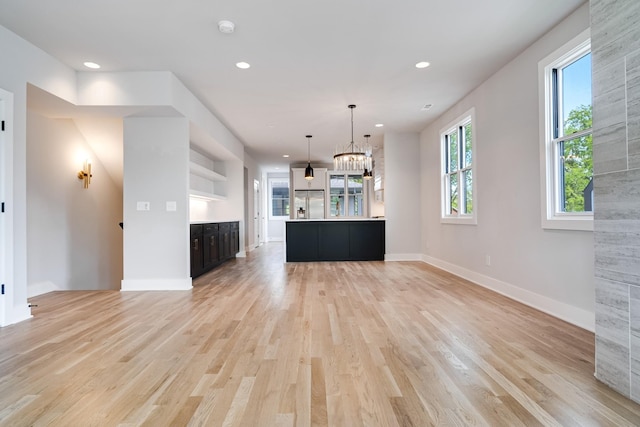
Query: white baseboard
[241,254]
[402,257]
[251,248]
[156,284]
[40,288]
[275,239]
[18,314]
[574,315]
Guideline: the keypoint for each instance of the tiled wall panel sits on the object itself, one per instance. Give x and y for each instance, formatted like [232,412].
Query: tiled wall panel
[615,45]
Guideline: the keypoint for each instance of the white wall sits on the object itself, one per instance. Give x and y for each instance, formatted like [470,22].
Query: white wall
[156,171]
[22,63]
[402,196]
[74,241]
[549,269]
[232,209]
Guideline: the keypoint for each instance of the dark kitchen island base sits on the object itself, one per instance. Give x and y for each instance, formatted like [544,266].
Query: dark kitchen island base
[335,240]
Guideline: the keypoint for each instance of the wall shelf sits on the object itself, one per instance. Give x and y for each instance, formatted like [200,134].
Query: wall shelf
[207,180]
[206,173]
[203,195]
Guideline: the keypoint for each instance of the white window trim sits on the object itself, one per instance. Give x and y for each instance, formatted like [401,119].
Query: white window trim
[270,199]
[551,218]
[365,194]
[462,219]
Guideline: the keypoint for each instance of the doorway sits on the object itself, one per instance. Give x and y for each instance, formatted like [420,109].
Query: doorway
[256,213]
[6,104]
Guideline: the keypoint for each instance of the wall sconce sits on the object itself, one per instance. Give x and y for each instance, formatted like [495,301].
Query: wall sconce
[85,173]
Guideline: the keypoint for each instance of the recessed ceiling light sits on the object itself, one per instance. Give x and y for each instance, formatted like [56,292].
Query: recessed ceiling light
[379,125]
[226,27]
[426,107]
[243,65]
[285,156]
[91,65]
[422,64]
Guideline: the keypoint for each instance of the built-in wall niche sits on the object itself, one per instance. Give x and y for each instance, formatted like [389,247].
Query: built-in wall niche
[207,177]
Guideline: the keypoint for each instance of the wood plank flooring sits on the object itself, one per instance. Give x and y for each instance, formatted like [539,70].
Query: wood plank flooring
[261,343]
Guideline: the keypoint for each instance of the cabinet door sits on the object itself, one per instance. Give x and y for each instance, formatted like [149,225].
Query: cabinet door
[299,183]
[225,241]
[235,239]
[210,245]
[211,250]
[197,254]
[317,183]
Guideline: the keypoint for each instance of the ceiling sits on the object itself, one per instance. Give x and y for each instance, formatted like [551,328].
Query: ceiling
[309,59]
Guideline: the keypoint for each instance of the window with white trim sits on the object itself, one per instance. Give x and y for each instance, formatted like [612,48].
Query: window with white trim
[458,183]
[566,147]
[279,198]
[347,197]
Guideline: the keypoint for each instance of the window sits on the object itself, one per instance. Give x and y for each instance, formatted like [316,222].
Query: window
[279,192]
[458,186]
[346,195]
[566,147]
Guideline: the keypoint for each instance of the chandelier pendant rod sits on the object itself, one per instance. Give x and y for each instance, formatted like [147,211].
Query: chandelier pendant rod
[351,107]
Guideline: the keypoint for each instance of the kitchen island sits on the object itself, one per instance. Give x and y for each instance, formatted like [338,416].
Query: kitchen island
[346,239]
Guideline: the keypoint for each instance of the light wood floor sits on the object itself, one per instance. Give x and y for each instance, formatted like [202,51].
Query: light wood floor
[262,343]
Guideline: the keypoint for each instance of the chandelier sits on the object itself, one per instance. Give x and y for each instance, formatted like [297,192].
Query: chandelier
[354,157]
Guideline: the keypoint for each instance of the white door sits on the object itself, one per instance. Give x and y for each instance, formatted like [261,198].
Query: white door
[256,213]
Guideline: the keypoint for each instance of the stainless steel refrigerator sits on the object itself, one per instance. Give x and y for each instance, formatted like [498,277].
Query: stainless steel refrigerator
[309,204]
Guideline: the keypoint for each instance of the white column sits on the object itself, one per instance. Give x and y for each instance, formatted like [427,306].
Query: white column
[156,180]
[402,196]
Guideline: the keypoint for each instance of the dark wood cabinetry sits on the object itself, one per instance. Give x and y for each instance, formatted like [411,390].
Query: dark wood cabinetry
[197,254]
[349,240]
[235,238]
[225,239]
[212,244]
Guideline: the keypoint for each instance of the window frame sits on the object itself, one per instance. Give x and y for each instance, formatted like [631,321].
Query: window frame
[365,194]
[469,117]
[270,189]
[552,216]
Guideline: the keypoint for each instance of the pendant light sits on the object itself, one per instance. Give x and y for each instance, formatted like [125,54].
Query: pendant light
[368,161]
[352,157]
[308,172]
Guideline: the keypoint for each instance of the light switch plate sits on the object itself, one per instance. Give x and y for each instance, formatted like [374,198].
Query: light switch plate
[171,206]
[143,206]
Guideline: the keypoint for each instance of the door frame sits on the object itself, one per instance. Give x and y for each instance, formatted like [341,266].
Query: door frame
[6,235]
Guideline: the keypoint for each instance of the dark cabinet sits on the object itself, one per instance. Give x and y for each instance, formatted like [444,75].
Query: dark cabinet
[212,244]
[225,239]
[334,240]
[197,254]
[234,237]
